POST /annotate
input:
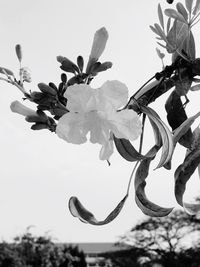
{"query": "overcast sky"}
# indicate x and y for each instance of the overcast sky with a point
(39, 172)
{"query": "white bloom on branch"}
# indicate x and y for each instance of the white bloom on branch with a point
(21, 109)
(96, 111)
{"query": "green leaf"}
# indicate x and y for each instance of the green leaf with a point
(184, 127)
(160, 31)
(6, 71)
(195, 87)
(149, 208)
(79, 211)
(47, 89)
(160, 16)
(174, 15)
(154, 30)
(181, 9)
(196, 8)
(166, 136)
(188, 4)
(168, 24)
(187, 168)
(127, 150)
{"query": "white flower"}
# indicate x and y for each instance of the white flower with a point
(19, 108)
(95, 111)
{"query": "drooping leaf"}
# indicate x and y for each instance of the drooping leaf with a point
(149, 208)
(166, 136)
(127, 150)
(187, 168)
(184, 127)
(79, 211)
(176, 116)
(160, 16)
(181, 9)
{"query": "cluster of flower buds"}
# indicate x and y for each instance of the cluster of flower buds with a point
(94, 66)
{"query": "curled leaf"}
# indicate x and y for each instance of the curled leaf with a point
(149, 208)
(79, 211)
(127, 150)
(166, 136)
(187, 168)
(184, 127)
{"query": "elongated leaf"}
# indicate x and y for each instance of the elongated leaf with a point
(160, 16)
(188, 4)
(79, 211)
(187, 168)
(160, 31)
(181, 9)
(176, 115)
(6, 71)
(168, 24)
(149, 208)
(184, 127)
(127, 150)
(154, 30)
(196, 8)
(166, 136)
(174, 14)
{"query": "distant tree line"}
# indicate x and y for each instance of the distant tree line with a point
(171, 241)
(31, 251)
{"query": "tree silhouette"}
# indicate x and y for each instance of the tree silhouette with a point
(168, 239)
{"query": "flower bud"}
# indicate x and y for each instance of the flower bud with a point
(19, 108)
(18, 50)
(99, 43)
(25, 74)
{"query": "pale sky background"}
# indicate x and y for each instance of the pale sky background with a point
(39, 172)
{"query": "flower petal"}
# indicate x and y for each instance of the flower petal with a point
(112, 93)
(125, 124)
(106, 150)
(80, 98)
(72, 128)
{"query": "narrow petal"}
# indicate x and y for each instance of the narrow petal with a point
(112, 93)
(80, 98)
(106, 150)
(125, 124)
(72, 128)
